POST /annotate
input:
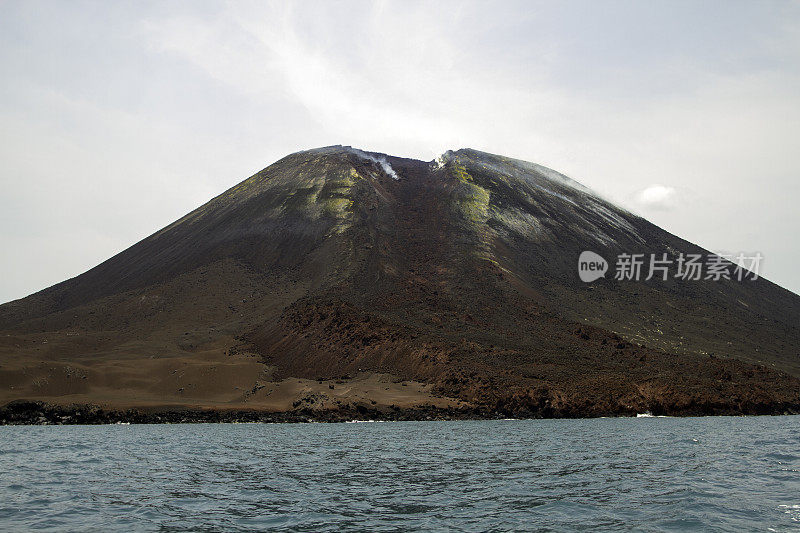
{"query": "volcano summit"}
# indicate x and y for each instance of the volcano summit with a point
(337, 284)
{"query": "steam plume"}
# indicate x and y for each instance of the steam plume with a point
(384, 164)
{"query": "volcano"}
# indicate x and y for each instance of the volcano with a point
(338, 282)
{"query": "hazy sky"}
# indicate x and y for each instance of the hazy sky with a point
(116, 118)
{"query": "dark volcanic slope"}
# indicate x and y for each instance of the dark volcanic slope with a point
(462, 273)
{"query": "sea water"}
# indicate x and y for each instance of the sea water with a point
(651, 474)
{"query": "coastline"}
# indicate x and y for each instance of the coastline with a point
(22, 412)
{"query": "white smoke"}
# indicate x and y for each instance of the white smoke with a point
(384, 164)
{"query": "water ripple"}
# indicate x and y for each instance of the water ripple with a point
(724, 474)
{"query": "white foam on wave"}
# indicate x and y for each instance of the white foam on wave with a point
(793, 510)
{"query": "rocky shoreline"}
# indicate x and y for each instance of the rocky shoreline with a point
(23, 412)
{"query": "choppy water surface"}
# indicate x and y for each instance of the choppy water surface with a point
(729, 474)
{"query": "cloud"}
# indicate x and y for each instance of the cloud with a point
(657, 197)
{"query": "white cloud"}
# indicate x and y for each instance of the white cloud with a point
(656, 197)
